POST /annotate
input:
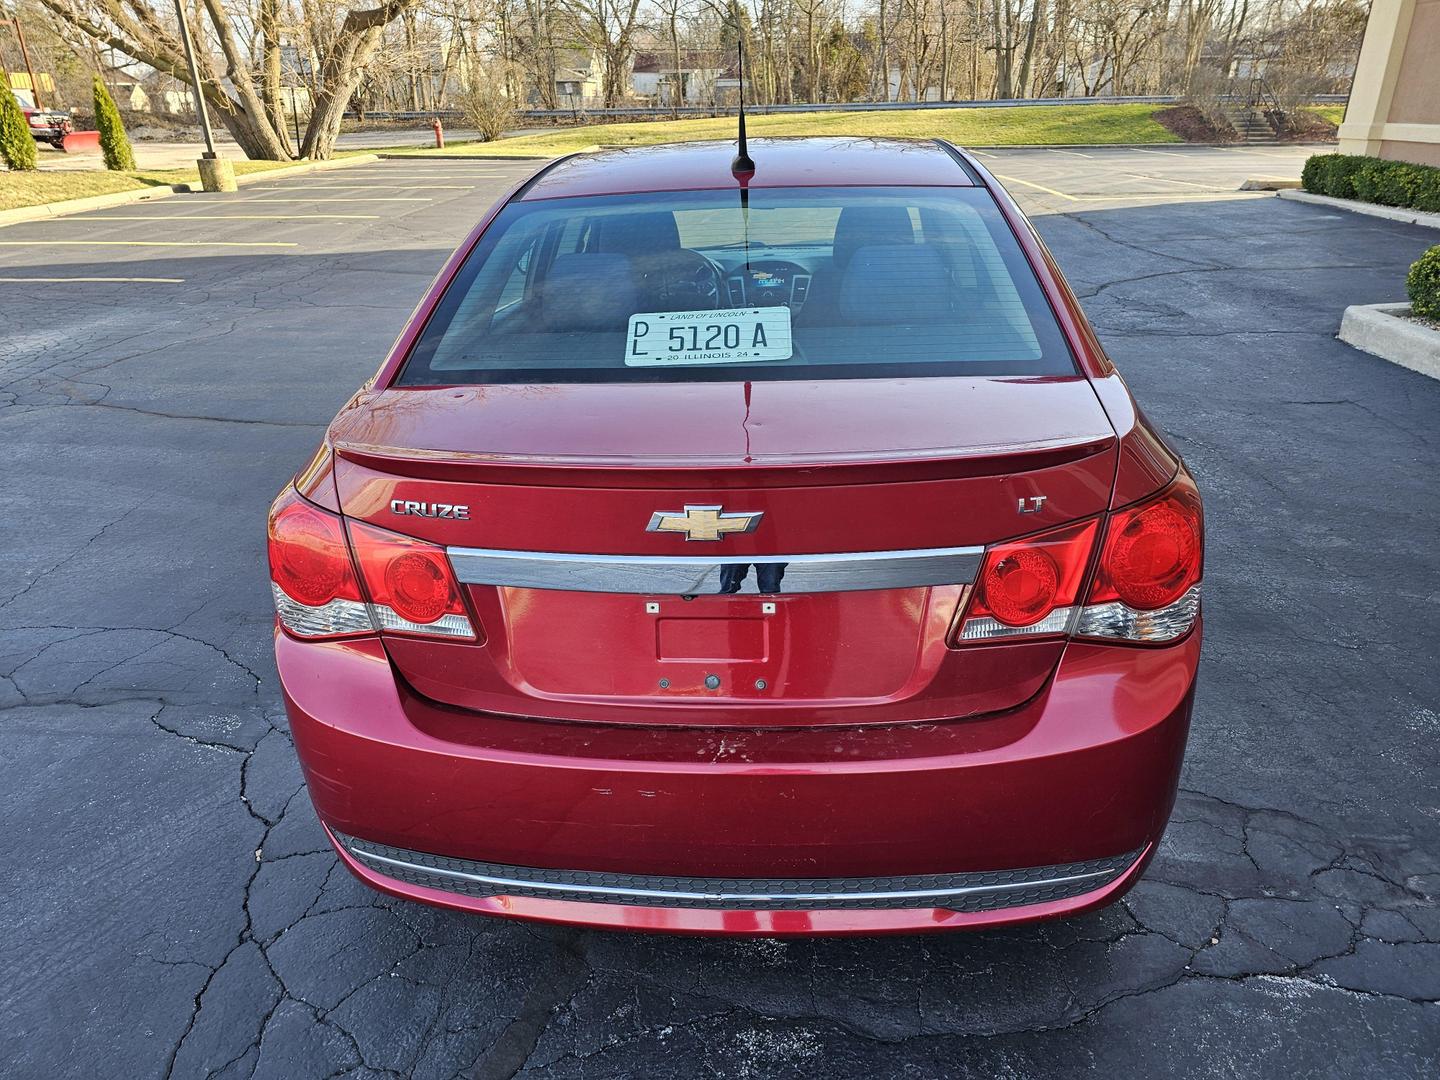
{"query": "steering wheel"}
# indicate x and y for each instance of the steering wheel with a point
(681, 280)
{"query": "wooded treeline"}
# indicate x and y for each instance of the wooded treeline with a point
(419, 55)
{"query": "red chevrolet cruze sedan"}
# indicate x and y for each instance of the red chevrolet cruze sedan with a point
(758, 553)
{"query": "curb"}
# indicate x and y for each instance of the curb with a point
(91, 202)
(1390, 213)
(1265, 183)
(422, 155)
(1381, 330)
(161, 191)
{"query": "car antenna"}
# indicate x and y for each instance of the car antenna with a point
(744, 165)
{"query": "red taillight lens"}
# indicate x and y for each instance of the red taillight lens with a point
(308, 556)
(411, 586)
(1020, 588)
(1153, 552)
(317, 593)
(1027, 587)
(1147, 584)
(418, 584)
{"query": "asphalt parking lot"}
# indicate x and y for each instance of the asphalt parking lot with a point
(171, 906)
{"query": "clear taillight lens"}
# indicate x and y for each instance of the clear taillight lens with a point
(317, 593)
(1029, 587)
(411, 586)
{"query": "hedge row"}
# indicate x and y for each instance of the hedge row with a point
(1375, 180)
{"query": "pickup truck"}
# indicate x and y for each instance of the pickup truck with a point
(49, 126)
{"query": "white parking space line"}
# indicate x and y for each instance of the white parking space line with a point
(1162, 153)
(1173, 180)
(149, 243)
(1075, 153)
(68, 280)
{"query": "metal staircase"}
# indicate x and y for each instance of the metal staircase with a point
(1248, 115)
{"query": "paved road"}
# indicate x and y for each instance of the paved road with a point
(170, 905)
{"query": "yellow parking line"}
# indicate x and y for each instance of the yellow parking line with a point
(1037, 187)
(396, 187)
(217, 217)
(342, 198)
(1170, 196)
(148, 243)
(64, 280)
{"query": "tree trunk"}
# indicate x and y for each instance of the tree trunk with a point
(677, 87)
(884, 56)
(270, 144)
(1037, 17)
(340, 75)
(270, 75)
(944, 52)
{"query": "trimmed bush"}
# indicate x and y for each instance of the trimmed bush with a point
(1427, 191)
(1423, 285)
(17, 145)
(1315, 176)
(113, 142)
(1372, 179)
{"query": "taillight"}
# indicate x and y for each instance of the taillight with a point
(411, 586)
(1029, 587)
(317, 593)
(1147, 586)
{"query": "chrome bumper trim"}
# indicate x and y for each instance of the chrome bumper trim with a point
(972, 891)
(684, 575)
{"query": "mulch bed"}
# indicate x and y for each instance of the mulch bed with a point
(1301, 125)
(1194, 126)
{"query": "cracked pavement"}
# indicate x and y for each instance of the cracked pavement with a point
(172, 907)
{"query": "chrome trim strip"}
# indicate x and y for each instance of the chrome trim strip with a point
(898, 897)
(695, 575)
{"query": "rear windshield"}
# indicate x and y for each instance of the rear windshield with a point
(797, 283)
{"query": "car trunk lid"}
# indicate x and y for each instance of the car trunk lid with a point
(860, 478)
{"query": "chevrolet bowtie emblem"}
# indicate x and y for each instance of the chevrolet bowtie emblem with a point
(703, 522)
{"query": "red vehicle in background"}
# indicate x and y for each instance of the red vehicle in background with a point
(768, 552)
(49, 125)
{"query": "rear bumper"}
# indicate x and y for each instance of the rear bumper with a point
(734, 831)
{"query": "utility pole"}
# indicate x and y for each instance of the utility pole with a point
(216, 173)
(25, 55)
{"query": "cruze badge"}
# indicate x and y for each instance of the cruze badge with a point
(703, 522)
(430, 510)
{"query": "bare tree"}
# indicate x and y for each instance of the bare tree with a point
(608, 28)
(344, 45)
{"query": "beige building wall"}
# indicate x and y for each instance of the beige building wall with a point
(1394, 109)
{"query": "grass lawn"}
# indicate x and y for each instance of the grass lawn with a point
(33, 188)
(1333, 113)
(1034, 125)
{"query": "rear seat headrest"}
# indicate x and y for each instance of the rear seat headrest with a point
(588, 292)
(895, 283)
